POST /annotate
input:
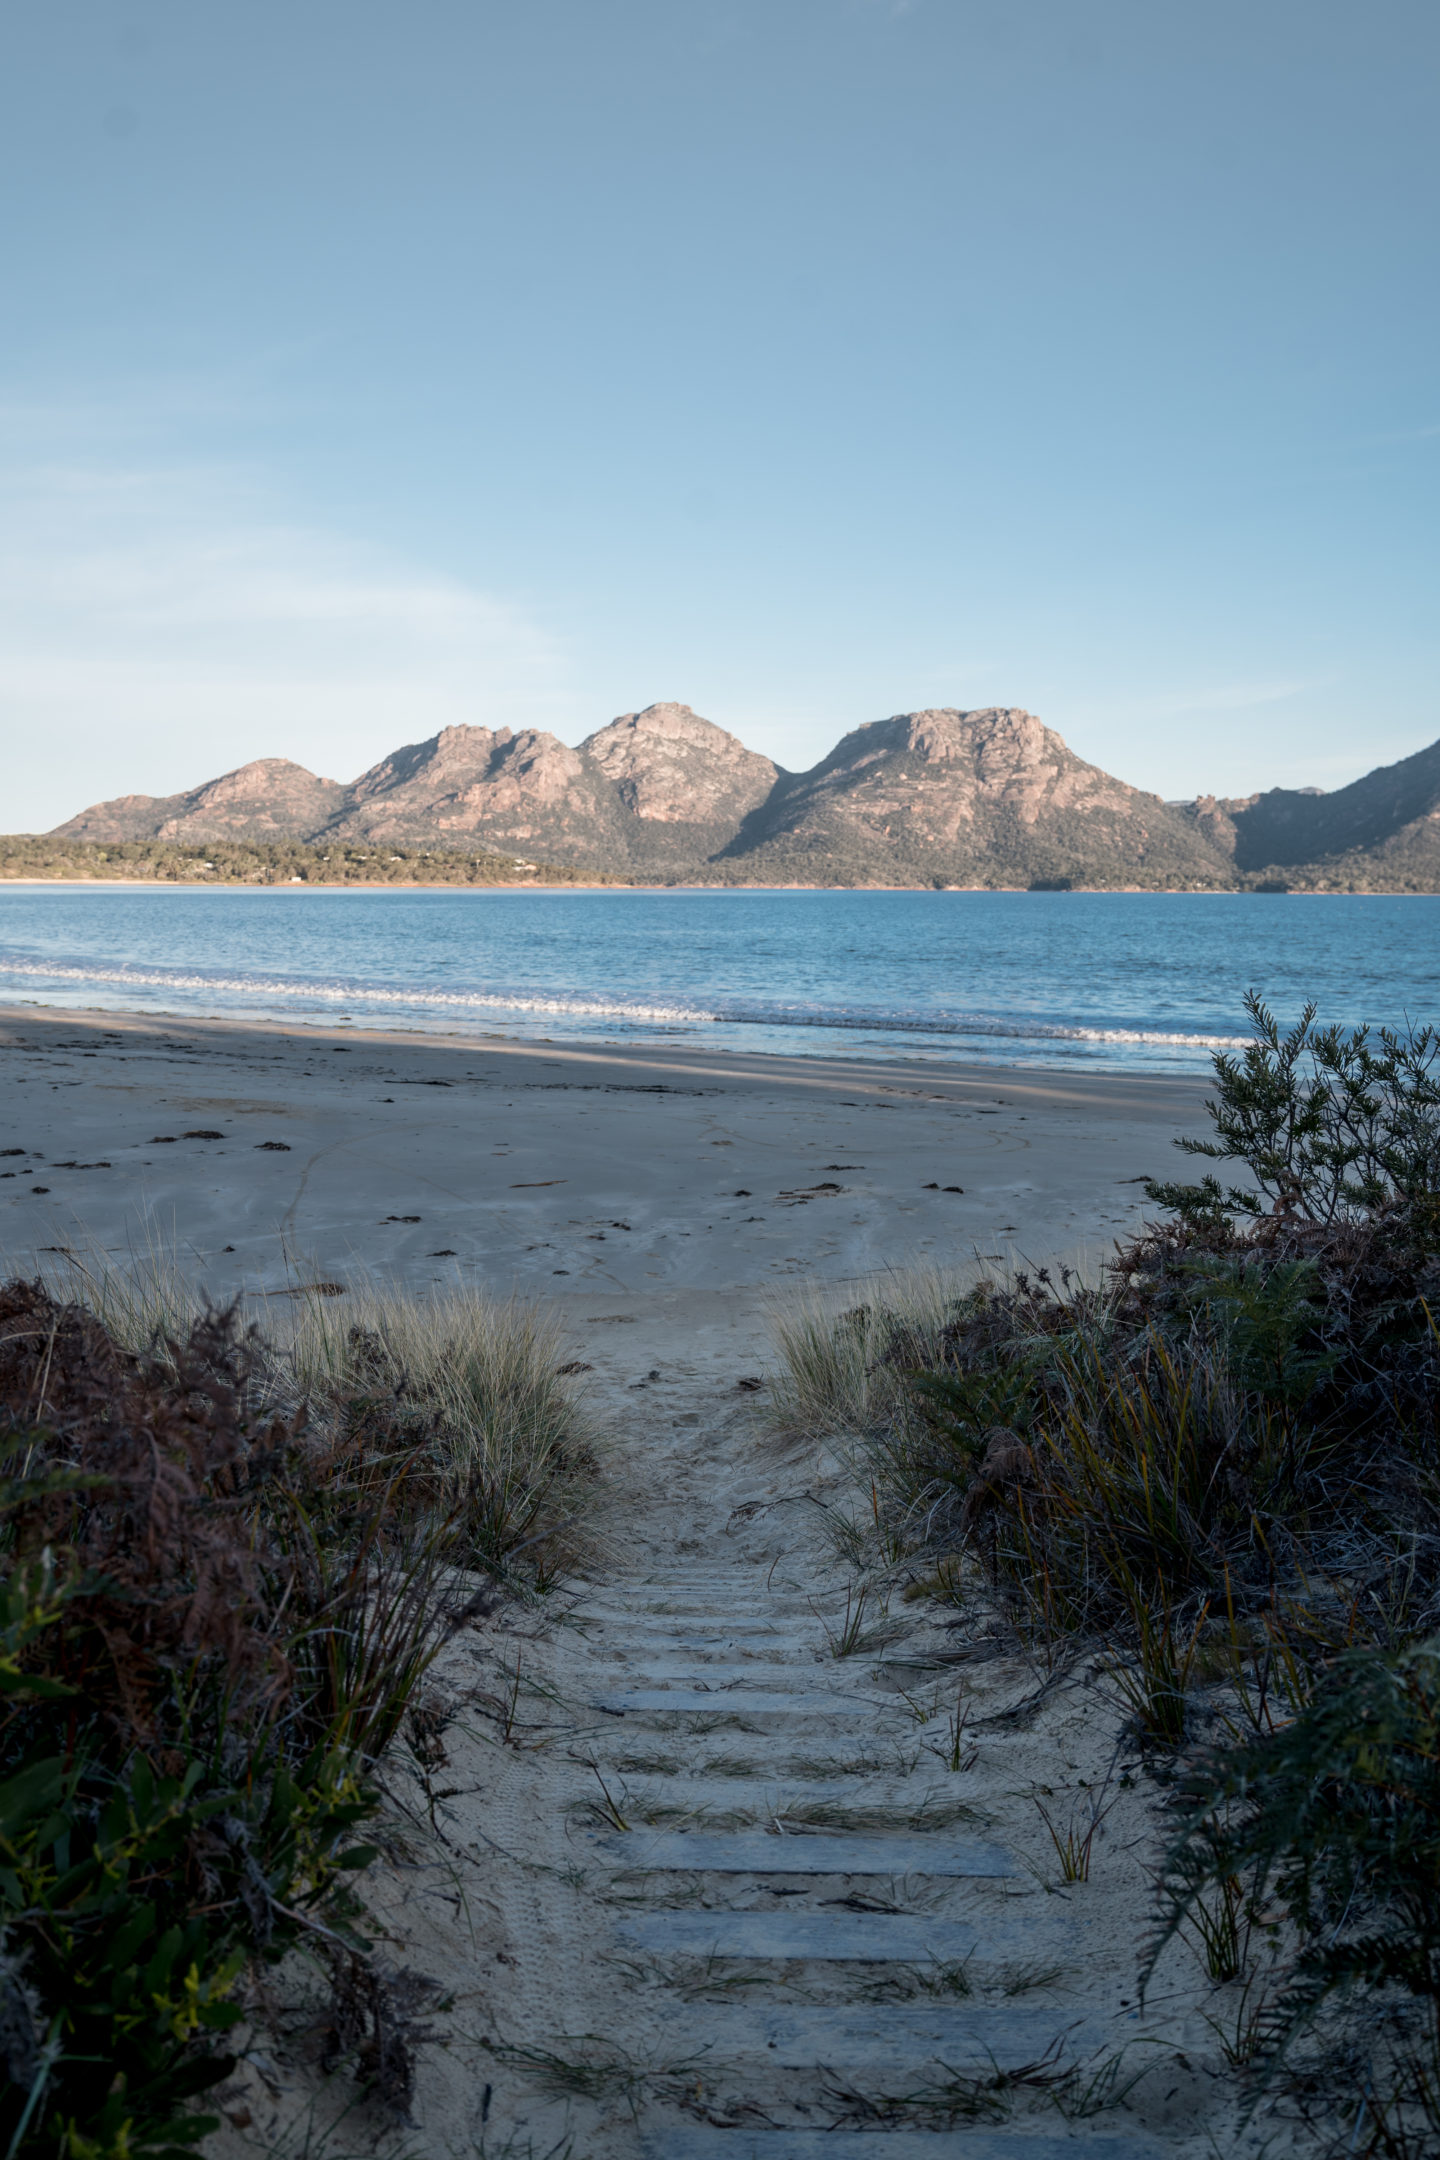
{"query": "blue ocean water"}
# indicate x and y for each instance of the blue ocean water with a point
(1127, 980)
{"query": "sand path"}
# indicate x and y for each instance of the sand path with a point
(730, 1893)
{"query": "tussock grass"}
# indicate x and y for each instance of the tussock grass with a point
(143, 1303)
(836, 1379)
(471, 1383)
(460, 1389)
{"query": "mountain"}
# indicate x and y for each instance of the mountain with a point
(967, 798)
(940, 797)
(687, 785)
(1381, 832)
(656, 792)
(483, 787)
(269, 800)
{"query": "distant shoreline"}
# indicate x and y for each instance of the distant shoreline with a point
(1076, 892)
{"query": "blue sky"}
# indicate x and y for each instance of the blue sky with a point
(369, 366)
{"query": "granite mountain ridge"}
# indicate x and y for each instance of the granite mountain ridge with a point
(987, 797)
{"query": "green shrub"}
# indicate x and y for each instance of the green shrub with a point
(129, 1905)
(1334, 1818)
(205, 1642)
(1219, 1467)
(1329, 1126)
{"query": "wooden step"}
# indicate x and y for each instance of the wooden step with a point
(972, 2143)
(761, 1852)
(871, 1938)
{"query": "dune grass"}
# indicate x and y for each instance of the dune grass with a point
(505, 1448)
(844, 1358)
(460, 1388)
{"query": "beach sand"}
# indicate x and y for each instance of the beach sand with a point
(662, 1200)
(651, 1177)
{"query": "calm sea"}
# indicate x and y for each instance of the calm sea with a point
(1124, 980)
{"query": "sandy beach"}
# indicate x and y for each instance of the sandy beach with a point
(647, 1177)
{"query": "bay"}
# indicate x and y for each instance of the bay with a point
(1135, 981)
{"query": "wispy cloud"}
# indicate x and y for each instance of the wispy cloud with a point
(1223, 697)
(160, 624)
(1401, 435)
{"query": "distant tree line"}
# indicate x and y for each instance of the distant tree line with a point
(280, 862)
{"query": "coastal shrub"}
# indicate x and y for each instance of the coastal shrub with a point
(280, 862)
(1218, 1467)
(1334, 1818)
(214, 1612)
(1245, 1404)
(1330, 1125)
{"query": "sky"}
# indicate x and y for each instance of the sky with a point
(372, 365)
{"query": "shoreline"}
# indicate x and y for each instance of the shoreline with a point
(1076, 892)
(1046, 1082)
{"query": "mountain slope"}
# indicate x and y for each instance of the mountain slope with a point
(1290, 826)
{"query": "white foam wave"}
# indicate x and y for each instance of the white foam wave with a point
(338, 993)
(554, 1006)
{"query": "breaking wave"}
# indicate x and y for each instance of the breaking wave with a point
(407, 1000)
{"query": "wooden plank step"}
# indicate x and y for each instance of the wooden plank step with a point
(972, 2143)
(739, 1701)
(723, 1624)
(872, 1938)
(901, 2037)
(762, 1852)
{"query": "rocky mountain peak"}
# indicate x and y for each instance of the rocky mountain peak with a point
(995, 739)
(673, 767)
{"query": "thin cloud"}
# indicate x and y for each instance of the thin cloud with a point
(1400, 435)
(159, 626)
(1224, 697)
